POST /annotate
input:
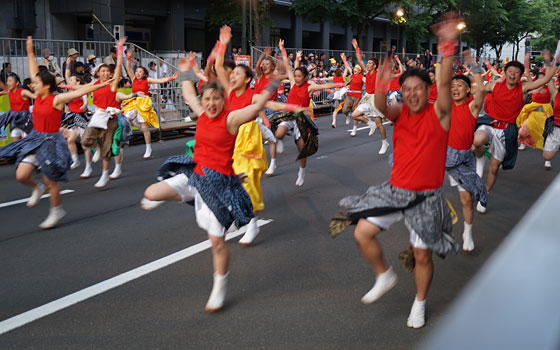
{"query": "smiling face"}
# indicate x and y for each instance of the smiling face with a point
(238, 79)
(139, 73)
(356, 70)
(267, 67)
(513, 75)
(104, 74)
(40, 88)
(212, 102)
(415, 93)
(12, 83)
(299, 77)
(432, 77)
(459, 91)
(370, 66)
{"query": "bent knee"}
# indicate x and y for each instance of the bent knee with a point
(422, 257)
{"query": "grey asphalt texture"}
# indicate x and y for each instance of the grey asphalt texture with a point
(294, 288)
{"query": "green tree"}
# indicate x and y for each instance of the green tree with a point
(354, 13)
(549, 26)
(421, 14)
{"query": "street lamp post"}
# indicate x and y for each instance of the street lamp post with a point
(399, 14)
(461, 26)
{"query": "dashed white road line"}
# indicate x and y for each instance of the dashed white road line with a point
(7, 204)
(101, 287)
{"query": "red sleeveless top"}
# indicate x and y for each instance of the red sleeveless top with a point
(338, 79)
(45, 117)
(463, 123)
(557, 109)
(395, 84)
(261, 84)
(419, 150)
(140, 85)
(213, 148)
(542, 97)
(504, 104)
(370, 82)
(356, 85)
(76, 104)
(235, 102)
(299, 95)
(104, 97)
(17, 103)
(433, 92)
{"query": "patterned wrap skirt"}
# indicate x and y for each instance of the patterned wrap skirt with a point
(51, 150)
(224, 195)
(17, 120)
(460, 164)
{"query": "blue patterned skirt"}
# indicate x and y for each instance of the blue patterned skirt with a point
(224, 195)
(51, 150)
(17, 120)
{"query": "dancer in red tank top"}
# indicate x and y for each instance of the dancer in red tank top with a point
(209, 178)
(552, 129)
(140, 109)
(103, 124)
(44, 149)
(460, 164)
(339, 93)
(366, 106)
(354, 94)
(18, 117)
(415, 188)
(503, 104)
(300, 96)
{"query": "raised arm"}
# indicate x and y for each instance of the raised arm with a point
(225, 37)
(286, 62)
(189, 94)
(129, 70)
(118, 68)
(447, 34)
(346, 65)
(27, 94)
(550, 70)
(61, 99)
(33, 69)
(476, 104)
(267, 51)
(67, 72)
(553, 90)
(241, 116)
(359, 55)
(299, 55)
(382, 84)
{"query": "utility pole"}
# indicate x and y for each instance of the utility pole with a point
(244, 27)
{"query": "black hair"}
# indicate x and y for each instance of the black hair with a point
(79, 64)
(26, 84)
(515, 64)
(112, 68)
(464, 78)
(151, 64)
(248, 72)
(431, 70)
(534, 71)
(48, 79)
(212, 85)
(123, 82)
(113, 50)
(415, 72)
(5, 65)
(43, 68)
(229, 64)
(146, 73)
(303, 71)
(13, 75)
(338, 72)
(375, 61)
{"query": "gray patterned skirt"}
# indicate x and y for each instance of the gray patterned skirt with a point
(17, 120)
(460, 164)
(425, 212)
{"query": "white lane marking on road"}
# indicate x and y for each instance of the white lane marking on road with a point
(101, 287)
(322, 157)
(7, 204)
(367, 127)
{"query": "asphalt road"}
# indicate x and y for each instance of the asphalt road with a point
(295, 288)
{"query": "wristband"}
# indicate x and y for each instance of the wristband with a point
(171, 79)
(183, 76)
(297, 58)
(120, 50)
(211, 60)
(447, 48)
(192, 62)
(290, 107)
(128, 58)
(273, 86)
(357, 51)
(283, 51)
(221, 49)
(339, 85)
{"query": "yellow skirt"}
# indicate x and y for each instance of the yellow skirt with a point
(249, 157)
(534, 116)
(144, 107)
